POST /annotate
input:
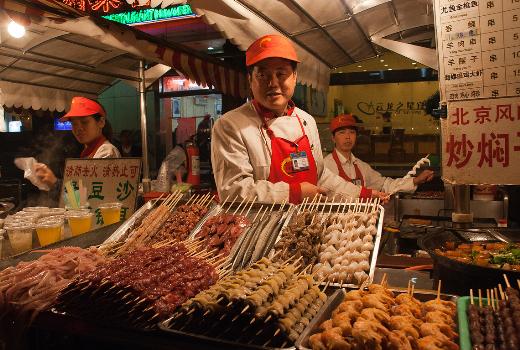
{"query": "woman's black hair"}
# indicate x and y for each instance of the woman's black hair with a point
(107, 129)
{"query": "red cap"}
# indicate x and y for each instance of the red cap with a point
(83, 107)
(271, 45)
(341, 121)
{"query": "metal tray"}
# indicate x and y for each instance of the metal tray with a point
(214, 342)
(121, 233)
(335, 299)
(377, 239)
(242, 242)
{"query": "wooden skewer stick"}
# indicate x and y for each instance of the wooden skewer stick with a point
(493, 299)
(413, 289)
(496, 296)
(439, 290)
(238, 207)
(479, 298)
(284, 202)
(518, 282)
(488, 296)
(471, 296)
(193, 197)
(502, 295)
(383, 279)
(249, 209)
(208, 202)
(409, 287)
(231, 204)
(507, 281)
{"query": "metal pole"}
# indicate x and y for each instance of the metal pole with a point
(144, 139)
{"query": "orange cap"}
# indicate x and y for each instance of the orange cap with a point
(271, 45)
(341, 121)
(83, 107)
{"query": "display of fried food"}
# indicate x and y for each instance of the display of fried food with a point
(380, 320)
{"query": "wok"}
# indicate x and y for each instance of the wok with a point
(458, 277)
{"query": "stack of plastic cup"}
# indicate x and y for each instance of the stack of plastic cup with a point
(20, 235)
(49, 230)
(80, 221)
(111, 212)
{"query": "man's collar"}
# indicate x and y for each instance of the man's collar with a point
(344, 160)
(267, 114)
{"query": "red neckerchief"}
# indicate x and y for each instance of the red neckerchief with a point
(342, 172)
(267, 114)
(91, 148)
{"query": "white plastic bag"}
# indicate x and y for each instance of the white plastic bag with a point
(27, 165)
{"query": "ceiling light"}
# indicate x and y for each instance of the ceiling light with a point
(16, 30)
(386, 65)
(381, 60)
(389, 68)
(364, 70)
(360, 66)
(210, 48)
(414, 63)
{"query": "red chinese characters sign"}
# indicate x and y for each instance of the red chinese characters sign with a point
(106, 180)
(481, 142)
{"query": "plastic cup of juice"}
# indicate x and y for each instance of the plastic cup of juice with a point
(49, 231)
(79, 222)
(20, 236)
(111, 212)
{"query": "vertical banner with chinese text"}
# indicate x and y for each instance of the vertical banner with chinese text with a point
(481, 142)
(107, 180)
(478, 43)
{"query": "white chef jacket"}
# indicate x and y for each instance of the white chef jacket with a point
(241, 156)
(372, 178)
(107, 150)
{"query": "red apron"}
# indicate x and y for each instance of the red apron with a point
(359, 176)
(91, 149)
(281, 165)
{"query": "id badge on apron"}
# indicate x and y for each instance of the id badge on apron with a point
(299, 160)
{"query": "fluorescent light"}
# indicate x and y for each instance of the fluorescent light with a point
(381, 60)
(364, 70)
(386, 65)
(360, 66)
(211, 48)
(16, 30)
(389, 68)
(414, 63)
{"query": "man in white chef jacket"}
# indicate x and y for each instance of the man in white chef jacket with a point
(268, 148)
(343, 163)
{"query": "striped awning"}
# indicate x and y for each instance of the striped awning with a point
(60, 45)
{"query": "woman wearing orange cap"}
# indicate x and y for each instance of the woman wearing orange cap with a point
(342, 162)
(91, 128)
(268, 148)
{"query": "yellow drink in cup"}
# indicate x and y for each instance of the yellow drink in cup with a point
(20, 236)
(79, 222)
(49, 231)
(111, 213)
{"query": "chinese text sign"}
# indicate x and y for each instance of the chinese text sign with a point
(478, 44)
(106, 180)
(481, 142)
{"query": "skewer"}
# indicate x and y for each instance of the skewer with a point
(190, 199)
(488, 296)
(284, 202)
(507, 281)
(383, 279)
(496, 296)
(493, 299)
(258, 212)
(518, 282)
(230, 205)
(267, 318)
(479, 298)
(471, 296)
(244, 309)
(252, 202)
(502, 295)
(272, 206)
(439, 290)
(413, 289)
(208, 202)
(236, 210)
(408, 288)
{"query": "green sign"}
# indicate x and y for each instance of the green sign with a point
(150, 15)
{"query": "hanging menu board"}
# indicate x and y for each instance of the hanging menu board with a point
(478, 43)
(106, 180)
